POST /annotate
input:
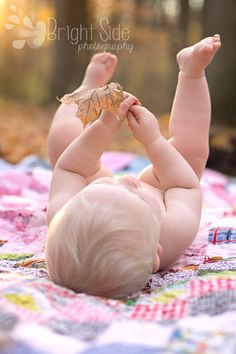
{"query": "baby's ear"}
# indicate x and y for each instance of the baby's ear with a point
(159, 249)
(156, 264)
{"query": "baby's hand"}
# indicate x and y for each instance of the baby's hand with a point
(115, 121)
(143, 124)
(128, 102)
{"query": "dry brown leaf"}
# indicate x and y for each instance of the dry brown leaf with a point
(91, 102)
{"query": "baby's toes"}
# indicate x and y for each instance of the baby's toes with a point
(99, 57)
(205, 51)
(110, 59)
(216, 38)
(216, 46)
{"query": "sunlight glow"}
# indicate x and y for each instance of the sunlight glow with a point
(196, 4)
(171, 8)
(2, 14)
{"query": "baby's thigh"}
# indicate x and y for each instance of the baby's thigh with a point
(195, 153)
(60, 136)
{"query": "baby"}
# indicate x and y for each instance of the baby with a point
(106, 235)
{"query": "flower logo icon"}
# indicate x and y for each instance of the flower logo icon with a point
(29, 31)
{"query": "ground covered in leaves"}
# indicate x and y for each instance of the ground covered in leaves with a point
(24, 129)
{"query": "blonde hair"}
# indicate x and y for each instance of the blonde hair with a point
(98, 250)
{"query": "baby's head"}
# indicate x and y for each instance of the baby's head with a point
(104, 241)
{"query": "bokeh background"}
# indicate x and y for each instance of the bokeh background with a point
(45, 46)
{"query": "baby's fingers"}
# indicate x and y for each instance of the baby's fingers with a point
(135, 126)
(138, 111)
(127, 94)
(125, 106)
(131, 119)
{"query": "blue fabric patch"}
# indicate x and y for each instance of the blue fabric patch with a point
(222, 235)
(18, 347)
(136, 165)
(122, 349)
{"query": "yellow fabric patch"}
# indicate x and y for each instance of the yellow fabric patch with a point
(167, 296)
(24, 300)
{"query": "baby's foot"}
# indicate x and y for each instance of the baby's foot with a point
(99, 70)
(193, 60)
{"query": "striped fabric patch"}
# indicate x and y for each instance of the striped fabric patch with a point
(222, 235)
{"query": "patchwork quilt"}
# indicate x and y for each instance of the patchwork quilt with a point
(188, 308)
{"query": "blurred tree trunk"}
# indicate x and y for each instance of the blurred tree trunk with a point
(137, 9)
(68, 65)
(183, 22)
(178, 40)
(219, 17)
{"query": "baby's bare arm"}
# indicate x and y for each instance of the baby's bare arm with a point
(82, 156)
(180, 223)
(169, 166)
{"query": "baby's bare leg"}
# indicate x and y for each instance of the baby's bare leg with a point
(66, 126)
(191, 111)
